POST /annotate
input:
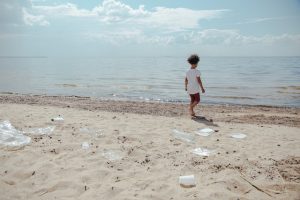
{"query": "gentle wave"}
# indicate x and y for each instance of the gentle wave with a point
(230, 97)
(67, 85)
(292, 87)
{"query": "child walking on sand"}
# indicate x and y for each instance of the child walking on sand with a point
(193, 83)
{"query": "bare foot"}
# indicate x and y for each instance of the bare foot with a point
(191, 111)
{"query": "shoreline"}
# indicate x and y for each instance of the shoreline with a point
(146, 100)
(252, 114)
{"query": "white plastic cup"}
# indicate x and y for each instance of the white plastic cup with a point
(187, 181)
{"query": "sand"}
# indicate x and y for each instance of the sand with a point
(149, 159)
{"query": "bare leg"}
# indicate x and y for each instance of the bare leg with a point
(191, 109)
(192, 105)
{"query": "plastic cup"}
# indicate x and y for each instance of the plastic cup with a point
(187, 181)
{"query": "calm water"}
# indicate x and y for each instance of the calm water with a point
(236, 80)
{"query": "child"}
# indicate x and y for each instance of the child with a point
(192, 83)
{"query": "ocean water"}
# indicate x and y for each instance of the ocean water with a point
(227, 80)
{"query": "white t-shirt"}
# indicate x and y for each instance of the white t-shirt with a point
(193, 86)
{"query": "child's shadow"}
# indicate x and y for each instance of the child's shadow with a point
(204, 120)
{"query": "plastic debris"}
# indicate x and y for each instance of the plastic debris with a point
(205, 132)
(202, 151)
(187, 181)
(93, 132)
(40, 131)
(111, 155)
(183, 136)
(85, 145)
(58, 119)
(238, 135)
(9, 136)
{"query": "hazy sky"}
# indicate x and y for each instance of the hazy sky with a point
(149, 27)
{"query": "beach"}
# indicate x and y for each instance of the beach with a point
(106, 149)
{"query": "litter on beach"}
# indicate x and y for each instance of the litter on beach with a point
(9, 136)
(204, 132)
(183, 136)
(85, 145)
(58, 119)
(238, 135)
(202, 151)
(92, 132)
(112, 155)
(40, 131)
(187, 181)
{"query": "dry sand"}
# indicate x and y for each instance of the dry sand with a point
(264, 165)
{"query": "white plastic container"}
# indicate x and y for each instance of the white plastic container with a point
(187, 181)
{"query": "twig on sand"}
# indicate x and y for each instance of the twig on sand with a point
(215, 182)
(256, 187)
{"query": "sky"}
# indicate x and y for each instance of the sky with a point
(149, 27)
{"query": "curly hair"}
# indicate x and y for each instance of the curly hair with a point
(193, 59)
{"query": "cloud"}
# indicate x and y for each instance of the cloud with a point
(34, 19)
(233, 37)
(180, 18)
(130, 37)
(11, 11)
(115, 11)
(112, 12)
(263, 19)
(62, 10)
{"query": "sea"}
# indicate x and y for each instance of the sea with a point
(273, 81)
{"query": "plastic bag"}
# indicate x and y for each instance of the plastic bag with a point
(183, 136)
(238, 135)
(111, 155)
(202, 152)
(205, 132)
(40, 131)
(9, 136)
(97, 133)
(85, 145)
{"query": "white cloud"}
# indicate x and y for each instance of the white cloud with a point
(263, 19)
(113, 11)
(130, 37)
(180, 18)
(233, 37)
(34, 19)
(62, 10)
(11, 12)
